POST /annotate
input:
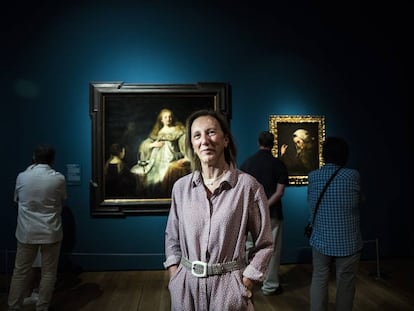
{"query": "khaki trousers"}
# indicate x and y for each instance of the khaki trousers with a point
(25, 256)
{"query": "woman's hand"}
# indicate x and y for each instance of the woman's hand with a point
(156, 144)
(248, 283)
(249, 286)
(172, 270)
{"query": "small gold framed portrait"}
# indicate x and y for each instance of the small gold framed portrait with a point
(298, 143)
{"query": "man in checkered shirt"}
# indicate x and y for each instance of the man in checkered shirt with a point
(336, 236)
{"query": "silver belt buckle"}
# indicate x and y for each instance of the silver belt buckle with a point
(193, 269)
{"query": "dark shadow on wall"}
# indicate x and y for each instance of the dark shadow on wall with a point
(68, 272)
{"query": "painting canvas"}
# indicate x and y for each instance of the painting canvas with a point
(138, 134)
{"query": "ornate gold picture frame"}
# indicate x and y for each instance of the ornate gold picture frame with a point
(298, 143)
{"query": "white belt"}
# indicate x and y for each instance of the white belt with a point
(201, 269)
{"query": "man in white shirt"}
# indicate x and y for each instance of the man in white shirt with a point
(39, 192)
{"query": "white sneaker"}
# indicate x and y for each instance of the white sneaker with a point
(32, 299)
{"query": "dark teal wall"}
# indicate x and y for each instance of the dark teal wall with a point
(348, 64)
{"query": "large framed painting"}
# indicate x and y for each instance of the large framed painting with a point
(298, 143)
(138, 134)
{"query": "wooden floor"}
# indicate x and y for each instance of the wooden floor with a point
(147, 290)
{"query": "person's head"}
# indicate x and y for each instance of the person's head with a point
(165, 118)
(44, 154)
(300, 138)
(266, 139)
(208, 137)
(335, 150)
(117, 150)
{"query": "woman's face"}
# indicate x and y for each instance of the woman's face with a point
(208, 139)
(166, 118)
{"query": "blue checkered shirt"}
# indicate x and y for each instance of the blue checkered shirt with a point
(336, 230)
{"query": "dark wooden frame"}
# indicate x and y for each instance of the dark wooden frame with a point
(282, 126)
(112, 103)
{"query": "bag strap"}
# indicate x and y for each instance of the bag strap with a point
(323, 192)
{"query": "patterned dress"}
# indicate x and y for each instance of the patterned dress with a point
(214, 230)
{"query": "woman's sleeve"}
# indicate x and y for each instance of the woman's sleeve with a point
(260, 230)
(144, 149)
(172, 240)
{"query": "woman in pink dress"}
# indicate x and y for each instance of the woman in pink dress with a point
(213, 208)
